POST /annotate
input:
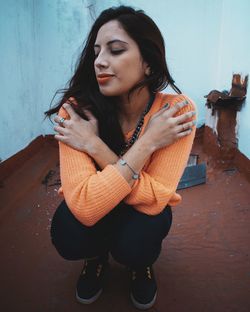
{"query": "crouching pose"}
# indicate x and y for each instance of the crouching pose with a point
(123, 148)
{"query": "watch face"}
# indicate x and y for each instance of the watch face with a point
(122, 162)
(135, 176)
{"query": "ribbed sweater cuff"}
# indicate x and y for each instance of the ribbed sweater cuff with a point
(113, 178)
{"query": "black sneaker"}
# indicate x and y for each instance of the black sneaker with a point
(143, 288)
(90, 283)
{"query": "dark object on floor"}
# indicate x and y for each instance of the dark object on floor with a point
(193, 175)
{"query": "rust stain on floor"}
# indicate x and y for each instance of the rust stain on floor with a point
(204, 265)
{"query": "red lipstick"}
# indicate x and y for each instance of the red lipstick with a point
(104, 78)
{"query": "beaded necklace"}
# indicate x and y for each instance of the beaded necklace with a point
(138, 128)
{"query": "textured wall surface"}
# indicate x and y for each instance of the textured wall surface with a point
(40, 41)
(206, 42)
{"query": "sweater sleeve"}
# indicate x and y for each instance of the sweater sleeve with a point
(89, 194)
(159, 180)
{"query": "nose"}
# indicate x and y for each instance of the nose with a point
(101, 61)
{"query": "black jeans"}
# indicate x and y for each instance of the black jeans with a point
(134, 239)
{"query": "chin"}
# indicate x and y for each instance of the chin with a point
(108, 92)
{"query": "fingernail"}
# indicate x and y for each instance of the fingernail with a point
(184, 103)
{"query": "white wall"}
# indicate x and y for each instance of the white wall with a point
(206, 41)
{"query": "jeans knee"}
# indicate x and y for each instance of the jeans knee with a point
(138, 241)
(73, 240)
(134, 254)
(74, 249)
(61, 243)
(65, 251)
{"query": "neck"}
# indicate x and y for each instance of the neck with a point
(132, 108)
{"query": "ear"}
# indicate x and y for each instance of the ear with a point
(146, 68)
(147, 71)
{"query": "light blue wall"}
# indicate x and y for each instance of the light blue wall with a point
(206, 41)
(234, 56)
(18, 47)
(190, 30)
(39, 44)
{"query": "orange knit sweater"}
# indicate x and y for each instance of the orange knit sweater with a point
(91, 194)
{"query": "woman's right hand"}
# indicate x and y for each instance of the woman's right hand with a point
(77, 132)
(164, 128)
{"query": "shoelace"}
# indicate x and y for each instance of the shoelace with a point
(93, 267)
(142, 273)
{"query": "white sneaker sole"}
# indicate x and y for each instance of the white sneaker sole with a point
(142, 306)
(90, 300)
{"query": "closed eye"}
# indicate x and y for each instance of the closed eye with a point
(116, 52)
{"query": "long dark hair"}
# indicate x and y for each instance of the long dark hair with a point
(84, 87)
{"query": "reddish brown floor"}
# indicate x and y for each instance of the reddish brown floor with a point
(204, 265)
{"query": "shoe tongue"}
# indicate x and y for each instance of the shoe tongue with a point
(142, 272)
(140, 269)
(91, 265)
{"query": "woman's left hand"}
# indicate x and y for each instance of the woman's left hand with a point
(76, 132)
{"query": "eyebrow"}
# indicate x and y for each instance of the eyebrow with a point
(110, 42)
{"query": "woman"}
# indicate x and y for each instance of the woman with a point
(123, 148)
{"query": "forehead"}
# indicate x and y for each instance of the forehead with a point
(110, 31)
